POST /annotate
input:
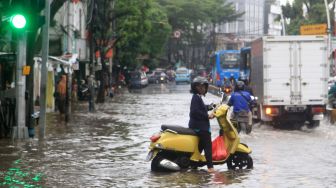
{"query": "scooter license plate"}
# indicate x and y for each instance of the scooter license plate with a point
(149, 156)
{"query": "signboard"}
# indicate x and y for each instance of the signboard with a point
(316, 29)
(177, 34)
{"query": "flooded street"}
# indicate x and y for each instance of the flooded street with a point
(108, 149)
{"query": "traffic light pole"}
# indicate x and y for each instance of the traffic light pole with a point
(21, 131)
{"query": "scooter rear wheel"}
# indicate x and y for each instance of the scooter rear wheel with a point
(240, 161)
(155, 165)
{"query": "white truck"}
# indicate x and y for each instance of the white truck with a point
(289, 75)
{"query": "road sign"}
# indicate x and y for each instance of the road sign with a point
(177, 34)
(316, 29)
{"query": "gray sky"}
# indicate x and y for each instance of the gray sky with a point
(283, 2)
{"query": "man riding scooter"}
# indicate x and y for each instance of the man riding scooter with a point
(240, 100)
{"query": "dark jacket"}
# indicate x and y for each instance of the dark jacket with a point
(199, 119)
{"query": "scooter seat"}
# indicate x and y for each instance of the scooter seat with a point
(178, 129)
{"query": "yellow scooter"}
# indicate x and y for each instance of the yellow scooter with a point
(176, 147)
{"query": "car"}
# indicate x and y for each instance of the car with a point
(182, 75)
(158, 77)
(138, 79)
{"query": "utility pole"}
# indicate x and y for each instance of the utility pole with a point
(329, 26)
(329, 34)
(18, 21)
(45, 52)
(21, 130)
(91, 27)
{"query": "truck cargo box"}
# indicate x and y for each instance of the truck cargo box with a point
(290, 70)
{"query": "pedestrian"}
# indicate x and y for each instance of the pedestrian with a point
(74, 90)
(121, 79)
(199, 118)
(91, 88)
(61, 90)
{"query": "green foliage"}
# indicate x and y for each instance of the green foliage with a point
(304, 12)
(4, 28)
(143, 31)
(193, 19)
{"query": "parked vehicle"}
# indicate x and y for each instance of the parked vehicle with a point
(289, 75)
(182, 75)
(138, 79)
(83, 91)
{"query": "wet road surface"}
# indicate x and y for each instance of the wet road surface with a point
(108, 148)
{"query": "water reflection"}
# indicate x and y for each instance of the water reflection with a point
(195, 178)
(20, 174)
(108, 148)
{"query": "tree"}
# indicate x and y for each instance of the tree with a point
(304, 12)
(194, 19)
(134, 27)
(143, 32)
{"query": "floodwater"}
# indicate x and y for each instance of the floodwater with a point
(108, 149)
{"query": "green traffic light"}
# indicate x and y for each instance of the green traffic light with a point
(18, 21)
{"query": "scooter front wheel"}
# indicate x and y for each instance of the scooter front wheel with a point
(240, 161)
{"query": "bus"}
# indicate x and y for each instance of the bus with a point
(245, 63)
(225, 64)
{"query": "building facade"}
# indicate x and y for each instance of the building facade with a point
(273, 18)
(251, 24)
(259, 19)
(70, 29)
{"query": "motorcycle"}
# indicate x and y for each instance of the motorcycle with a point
(243, 119)
(176, 148)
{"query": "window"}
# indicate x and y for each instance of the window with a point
(230, 60)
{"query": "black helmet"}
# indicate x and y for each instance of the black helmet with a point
(199, 81)
(240, 85)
